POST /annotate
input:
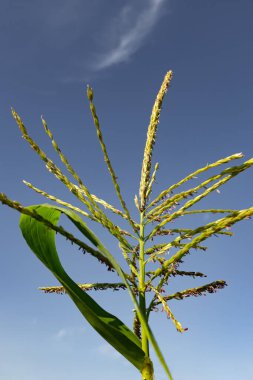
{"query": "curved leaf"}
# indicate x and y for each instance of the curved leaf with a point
(79, 223)
(41, 240)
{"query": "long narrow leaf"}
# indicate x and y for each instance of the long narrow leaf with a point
(94, 239)
(41, 240)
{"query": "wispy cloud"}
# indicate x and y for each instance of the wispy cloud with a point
(128, 32)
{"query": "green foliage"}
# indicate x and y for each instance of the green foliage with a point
(148, 271)
(41, 240)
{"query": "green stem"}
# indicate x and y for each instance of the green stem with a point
(148, 370)
(142, 300)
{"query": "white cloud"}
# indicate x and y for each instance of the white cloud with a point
(128, 33)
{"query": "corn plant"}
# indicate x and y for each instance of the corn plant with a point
(149, 265)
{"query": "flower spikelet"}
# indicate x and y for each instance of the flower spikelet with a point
(151, 136)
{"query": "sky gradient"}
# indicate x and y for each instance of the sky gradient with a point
(50, 51)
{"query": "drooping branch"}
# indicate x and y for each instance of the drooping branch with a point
(211, 288)
(187, 273)
(168, 311)
(33, 214)
(85, 287)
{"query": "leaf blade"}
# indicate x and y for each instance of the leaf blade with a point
(42, 242)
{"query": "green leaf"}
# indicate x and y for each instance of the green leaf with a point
(94, 239)
(41, 240)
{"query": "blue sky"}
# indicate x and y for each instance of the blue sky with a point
(49, 52)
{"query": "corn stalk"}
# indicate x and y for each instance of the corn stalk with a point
(147, 287)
